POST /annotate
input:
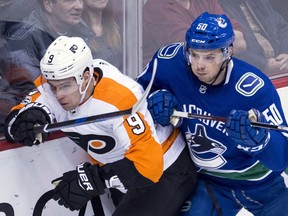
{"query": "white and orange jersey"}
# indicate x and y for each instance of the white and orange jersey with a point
(133, 137)
(172, 143)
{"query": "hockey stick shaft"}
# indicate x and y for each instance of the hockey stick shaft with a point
(46, 197)
(97, 118)
(80, 121)
(223, 119)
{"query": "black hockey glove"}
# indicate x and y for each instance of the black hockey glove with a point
(110, 178)
(161, 105)
(249, 139)
(77, 187)
(21, 127)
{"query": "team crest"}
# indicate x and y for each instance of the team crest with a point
(169, 51)
(73, 48)
(249, 84)
(203, 89)
(205, 151)
(221, 22)
(98, 144)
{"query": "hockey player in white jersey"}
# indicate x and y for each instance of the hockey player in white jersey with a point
(126, 153)
(238, 165)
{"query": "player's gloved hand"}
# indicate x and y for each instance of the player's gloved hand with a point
(161, 105)
(79, 186)
(249, 139)
(21, 127)
(111, 179)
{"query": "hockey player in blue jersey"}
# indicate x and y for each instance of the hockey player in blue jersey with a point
(238, 165)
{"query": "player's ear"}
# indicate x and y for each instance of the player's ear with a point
(230, 51)
(86, 77)
(86, 74)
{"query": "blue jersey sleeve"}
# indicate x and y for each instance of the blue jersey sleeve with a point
(257, 91)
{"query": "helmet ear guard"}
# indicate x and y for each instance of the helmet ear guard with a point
(67, 57)
(227, 52)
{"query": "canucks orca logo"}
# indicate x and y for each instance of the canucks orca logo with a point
(98, 144)
(205, 151)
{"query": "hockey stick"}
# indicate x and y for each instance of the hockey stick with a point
(46, 197)
(223, 119)
(97, 118)
(42, 201)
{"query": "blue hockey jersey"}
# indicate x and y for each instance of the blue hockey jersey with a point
(214, 153)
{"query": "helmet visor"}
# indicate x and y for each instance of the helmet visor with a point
(205, 57)
(66, 87)
(63, 87)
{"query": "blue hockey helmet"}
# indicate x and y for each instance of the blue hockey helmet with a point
(210, 32)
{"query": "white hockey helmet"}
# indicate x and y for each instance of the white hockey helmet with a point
(67, 57)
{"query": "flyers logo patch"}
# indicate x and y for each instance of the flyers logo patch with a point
(249, 84)
(98, 144)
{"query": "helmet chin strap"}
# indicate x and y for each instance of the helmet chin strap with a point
(222, 68)
(83, 93)
(224, 63)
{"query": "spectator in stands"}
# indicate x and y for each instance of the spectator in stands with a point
(14, 80)
(14, 85)
(29, 41)
(106, 44)
(265, 32)
(166, 21)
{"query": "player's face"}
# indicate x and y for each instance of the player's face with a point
(206, 64)
(66, 92)
(67, 11)
(96, 4)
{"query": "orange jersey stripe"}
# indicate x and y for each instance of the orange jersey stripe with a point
(112, 92)
(32, 96)
(170, 140)
(28, 99)
(145, 152)
(38, 81)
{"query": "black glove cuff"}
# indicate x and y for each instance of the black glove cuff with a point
(7, 124)
(126, 172)
(92, 179)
